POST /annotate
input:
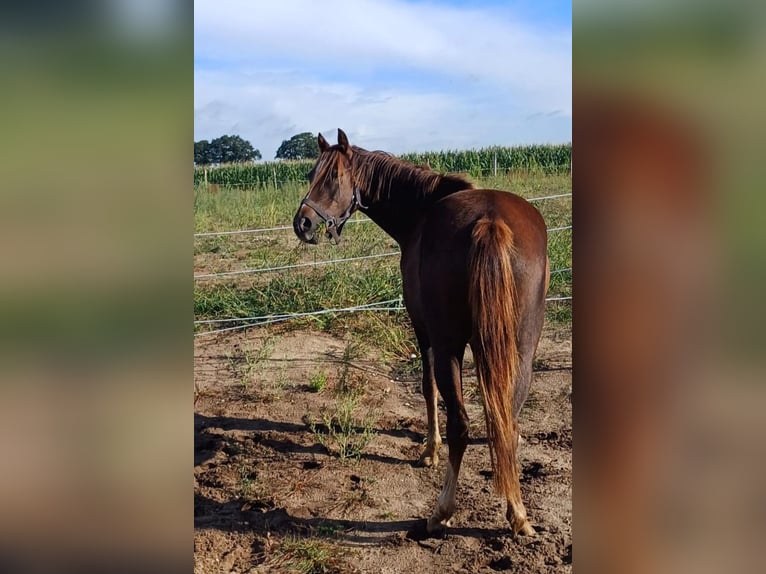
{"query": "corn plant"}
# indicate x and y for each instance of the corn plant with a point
(477, 162)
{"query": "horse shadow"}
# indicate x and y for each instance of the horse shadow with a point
(264, 517)
(206, 444)
(242, 514)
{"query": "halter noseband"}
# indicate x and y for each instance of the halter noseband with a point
(330, 222)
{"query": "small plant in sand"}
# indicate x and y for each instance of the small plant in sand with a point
(248, 363)
(248, 489)
(341, 431)
(318, 381)
(308, 556)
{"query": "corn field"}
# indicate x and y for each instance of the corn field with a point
(533, 158)
(543, 158)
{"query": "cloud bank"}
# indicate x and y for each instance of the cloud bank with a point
(394, 75)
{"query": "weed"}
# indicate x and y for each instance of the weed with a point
(248, 365)
(308, 556)
(247, 483)
(342, 432)
(281, 381)
(318, 381)
(262, 353)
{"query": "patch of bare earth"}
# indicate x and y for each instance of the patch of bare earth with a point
(270, 498)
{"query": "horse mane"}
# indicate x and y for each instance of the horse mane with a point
(381, 174)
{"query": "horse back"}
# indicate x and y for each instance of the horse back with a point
(446, 232)
(435, 266)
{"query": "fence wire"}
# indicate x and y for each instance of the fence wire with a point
(271, 319)
(359, 220)
(391, 305)
(317, 263)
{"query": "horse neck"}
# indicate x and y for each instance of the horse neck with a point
(400, 211)
(399, 222)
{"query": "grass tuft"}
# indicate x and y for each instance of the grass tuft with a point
(342, 431)
(307, 556)
(318, 381)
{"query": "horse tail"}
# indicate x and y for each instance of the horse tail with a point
(492, 297)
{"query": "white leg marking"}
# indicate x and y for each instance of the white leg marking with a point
(446, 501)
(445, 504)
(430, 455)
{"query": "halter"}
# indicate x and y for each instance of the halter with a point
(331, 223)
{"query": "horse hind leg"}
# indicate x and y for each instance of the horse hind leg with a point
(529, 336)
(447, 370)
(516, 513)
(430, 455)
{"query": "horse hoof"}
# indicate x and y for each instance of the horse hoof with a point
(428, 460)
(524, 529)
(437, 525)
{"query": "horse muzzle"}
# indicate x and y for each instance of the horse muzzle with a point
(305, 228)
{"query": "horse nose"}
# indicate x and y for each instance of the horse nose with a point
(305, 224)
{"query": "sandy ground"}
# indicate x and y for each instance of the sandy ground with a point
(269, 497)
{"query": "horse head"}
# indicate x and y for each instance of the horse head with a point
(332, 197)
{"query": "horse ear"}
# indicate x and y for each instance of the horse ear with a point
(323, 145)
(343, 142)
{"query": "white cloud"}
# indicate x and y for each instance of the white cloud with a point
(273, 60)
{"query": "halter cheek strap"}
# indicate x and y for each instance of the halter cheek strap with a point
(331, 222)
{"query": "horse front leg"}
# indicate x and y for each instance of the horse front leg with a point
(430, 456)
(448, 378)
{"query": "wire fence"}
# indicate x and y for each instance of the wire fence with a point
(271, 319)
(391, 305)
(293, 266)
(265, 177)
(359, 220)
(317, 263)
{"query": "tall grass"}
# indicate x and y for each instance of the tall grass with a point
(335, 285)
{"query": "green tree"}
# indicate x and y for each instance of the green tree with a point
(224, 149)
(202, 152)
(300, 146)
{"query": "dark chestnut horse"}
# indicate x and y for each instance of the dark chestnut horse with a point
(475, 271)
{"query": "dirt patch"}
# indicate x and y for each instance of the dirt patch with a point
(269, 497)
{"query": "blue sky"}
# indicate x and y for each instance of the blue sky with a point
(396, 75)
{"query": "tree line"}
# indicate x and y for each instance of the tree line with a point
(234, 149)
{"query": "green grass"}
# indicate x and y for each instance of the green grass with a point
(318, 381)
(247, 208)
(336, 285)
(307, 556)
